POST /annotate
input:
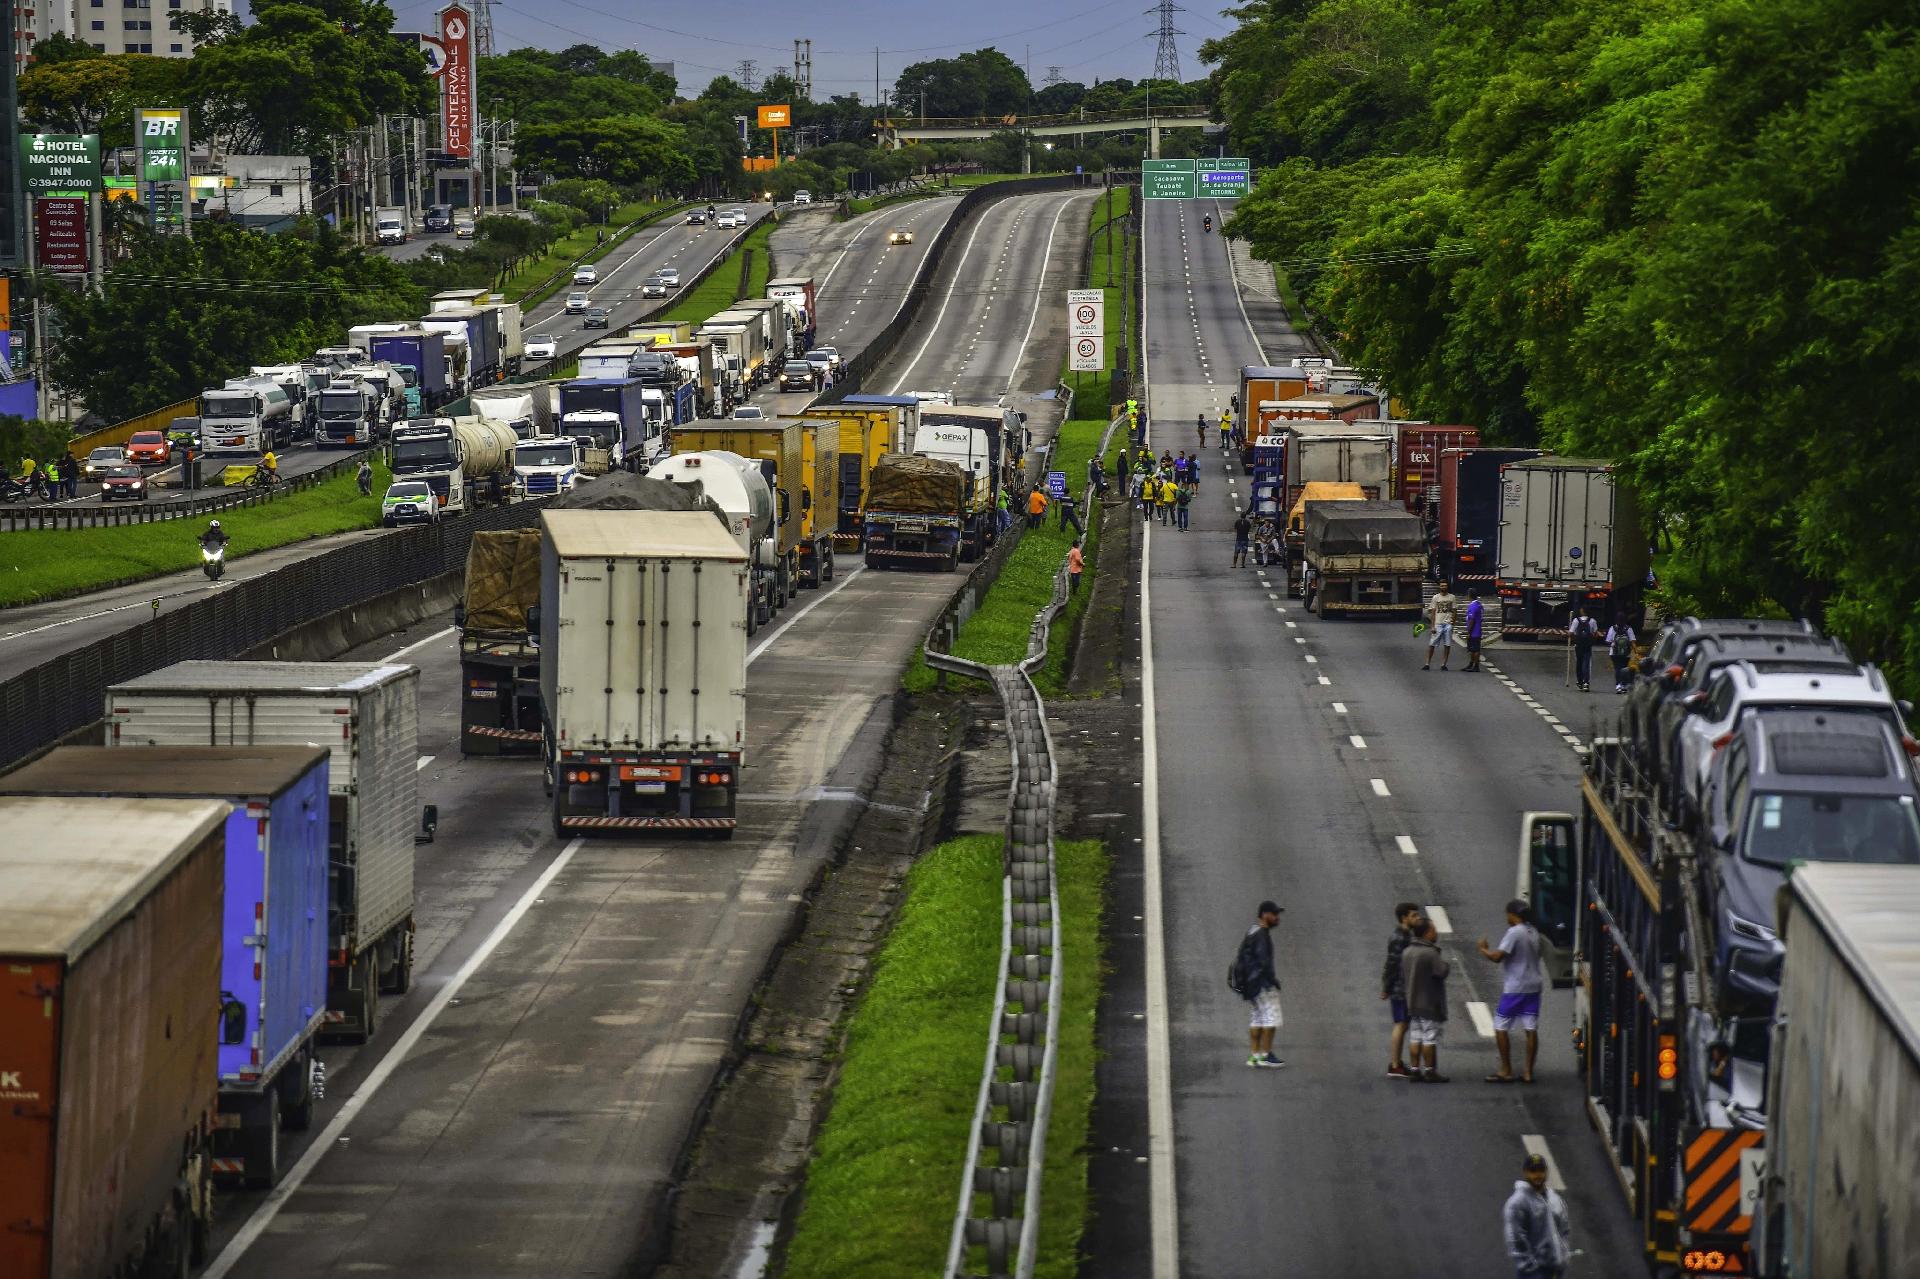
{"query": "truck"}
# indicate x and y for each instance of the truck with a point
(779, 323)
(866, 435)
(390, 388)
(1570, 534)
(361, 336)
(1261, 384)
(1466, 520)
(661, 596)
(273, 966)
(499, 663)
(1417, 447)
(904, 410)
(110, 1018)
(742, 334)
(657, 332)
(548, 464)
(526, 407)
(746, 496)
(797, 292)
(1839, 1194)
(611, 358)
(349, 413)
(776, 445)
(819, 500)
(610, 412)
(700, 367)
(510, 345)
(1366, 557)
(1330, 450)
(366, 715)
(420, 356)
(915, 512)
(459, 299)
(970, 437)
(300, 382)
(457, 457)
(247, 416)
(476, 331)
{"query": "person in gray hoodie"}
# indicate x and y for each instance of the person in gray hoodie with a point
(1538, 1233)
(1425, 975)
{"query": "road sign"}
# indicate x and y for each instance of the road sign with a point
(1089, 354)
(1169, 179)
(1226, 179)
(777, 116)
(62, 232)
(458, 105)
(1086, 313)
(60, 163)
(1056, 484)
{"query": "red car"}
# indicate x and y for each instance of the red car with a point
(124, 483)
(149, 448)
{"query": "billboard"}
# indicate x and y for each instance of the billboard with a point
(62, 237)
(776, 117)
(160, 133)
(457, 97)
(59, 163)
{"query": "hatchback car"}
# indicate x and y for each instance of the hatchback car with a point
(670, 276)
(653, 287)
(123, 483)
(1797, 786)
(102, 460)
(409, 502)
(149, 448)
(577, 302)
(586, 273)
(541, 348)
(463, 228)
(596, 318)
(899, 235)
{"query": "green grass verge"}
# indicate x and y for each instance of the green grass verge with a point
(717, 292)
(44, 563)
(882, 1187)
(575, 245)
(961, 182)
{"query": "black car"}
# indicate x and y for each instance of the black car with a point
(1797, 786)
(596, 318)
(1663, 667)
(439, 217)
(799, 375)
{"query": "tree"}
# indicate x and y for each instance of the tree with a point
(627, 150)
(61, 47)
(984, 82)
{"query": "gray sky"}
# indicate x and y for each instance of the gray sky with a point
(1086, 39)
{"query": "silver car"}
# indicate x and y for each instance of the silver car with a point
(577, 302)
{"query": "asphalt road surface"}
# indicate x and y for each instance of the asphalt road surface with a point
(521, 1110)
(1316, 763)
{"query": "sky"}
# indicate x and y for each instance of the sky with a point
(1086, 39)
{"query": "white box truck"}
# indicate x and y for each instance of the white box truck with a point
(643, 670)
(1570, 537)
(366, 715)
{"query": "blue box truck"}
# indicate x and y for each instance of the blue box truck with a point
(425, 352)
(273, 966)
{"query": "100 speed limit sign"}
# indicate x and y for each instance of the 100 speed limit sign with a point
(1086, 313)
(1089, 355)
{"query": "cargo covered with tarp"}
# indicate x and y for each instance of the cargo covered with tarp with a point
(503, 579)
(907, 484)
(1377, 536)
(619, 491)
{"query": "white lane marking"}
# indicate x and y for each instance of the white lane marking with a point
(1482, 1018)
(396, 655)
(1405, 844)
(1312, 658)
(1379, 785)
(822, 598)
(1537, 1145)
(1039, 293)
(422, 762)
(329, 1136)
(1339, 708)
(1359, 742)
(1293, 626)
(1323, 678)
(1438, 914)
(933, 329)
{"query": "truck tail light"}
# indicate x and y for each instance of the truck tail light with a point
(1722, 741)
(1667, 1062)
(1676, 671)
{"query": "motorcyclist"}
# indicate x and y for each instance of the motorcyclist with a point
(214, 538)
(1206, 223)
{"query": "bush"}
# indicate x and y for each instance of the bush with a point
(22, 437)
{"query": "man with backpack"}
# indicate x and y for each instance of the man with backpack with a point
(1583, 631)
(1252, 978)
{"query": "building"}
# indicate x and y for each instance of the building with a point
(111, 26)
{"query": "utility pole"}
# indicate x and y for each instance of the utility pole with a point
(803, 67)
(482, 28)
(877, 99)
(1166, 58)
(746, 67)
(1054, 77)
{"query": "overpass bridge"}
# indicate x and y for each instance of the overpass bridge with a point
(900, 132)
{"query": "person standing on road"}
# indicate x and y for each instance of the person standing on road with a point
(1242, 532)
(1620, 640)
(1097, 476)
(1163, 499)
(1523, 976)
(1199, 432)
(1424, 973)
(1440, 613)
(1003, 511)
(1583, 631)
(1076, 564)
(1539, 1235)
(1036, 506)
(1393, 985)
(70, 474)
(1122, 469)
(1257, 983)
(1476, 622)
(1182, 496)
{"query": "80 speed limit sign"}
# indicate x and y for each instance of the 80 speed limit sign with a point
(1089, 354)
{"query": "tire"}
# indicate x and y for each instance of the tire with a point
(369, 998)
(297, 1115)
(827, 563)
(953, 561)
(753, 617)
(263, 1145)
(399, 978)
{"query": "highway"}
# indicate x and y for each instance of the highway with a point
(1316, 763)
(521, 1111)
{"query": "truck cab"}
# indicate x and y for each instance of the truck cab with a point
(547, 465)
(346, 414)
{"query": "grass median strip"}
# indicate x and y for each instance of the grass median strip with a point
(40, 564)
(581, 242)
(716, 292)
(883, 1184)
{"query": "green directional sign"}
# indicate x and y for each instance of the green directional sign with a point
(1168, 179)
(1228, 178)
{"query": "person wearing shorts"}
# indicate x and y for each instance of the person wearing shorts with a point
(1260, 986)
(1523, 978)
(1440, 613)
(1424, 972)
(1393, 986)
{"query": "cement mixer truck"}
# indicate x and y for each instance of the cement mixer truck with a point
(740, 487)
(455, 456)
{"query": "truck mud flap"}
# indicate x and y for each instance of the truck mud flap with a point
(480, 739)
(586, 822)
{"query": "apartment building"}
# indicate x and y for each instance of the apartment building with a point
(111, 26)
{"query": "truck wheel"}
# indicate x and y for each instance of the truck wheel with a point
(558, 830)
(398, 978)
(753, 618)
(296, 1114)
(263, 1144)
(953, 561)
(369, 997)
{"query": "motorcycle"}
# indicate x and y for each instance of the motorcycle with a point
(213, 560)
(12, 490)
(1206, 223)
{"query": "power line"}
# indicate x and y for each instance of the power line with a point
(746, 69)
(1166, 59)
(1054, 76)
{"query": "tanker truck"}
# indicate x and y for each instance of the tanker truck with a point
(740, 487)
(453, 455)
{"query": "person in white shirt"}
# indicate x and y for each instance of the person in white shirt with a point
(1523, 976)
(1440, 612)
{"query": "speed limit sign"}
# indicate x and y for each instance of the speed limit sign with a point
(1089, 354)
(1086, 313)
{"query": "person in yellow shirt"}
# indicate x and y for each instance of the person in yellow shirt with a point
(1163, 498)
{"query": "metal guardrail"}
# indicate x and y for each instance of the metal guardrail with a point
(14, 519)
(1043, 121)
(1011, 1114)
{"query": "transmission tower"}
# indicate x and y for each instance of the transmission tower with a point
(482, 28)
(803, 67)
(1166, 59)
(746, 68)
(1054, 76)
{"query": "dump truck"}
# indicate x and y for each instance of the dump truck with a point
(748, 500)
(366, 714)
(457, 457)
(1366, 557)
(110, 1026)
(499, 663)
(1570, 534)
(1465, 522)
(867, 433)
(1293, 526)
(777, 444)
(819, 500)
(273, 968)
(916, 512)
(661, 596)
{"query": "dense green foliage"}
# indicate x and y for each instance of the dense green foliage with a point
(1680, 235)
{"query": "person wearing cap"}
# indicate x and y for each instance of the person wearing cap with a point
(1538, 1234)
(1523, 977)
(1424, 970)
(1261, 988)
